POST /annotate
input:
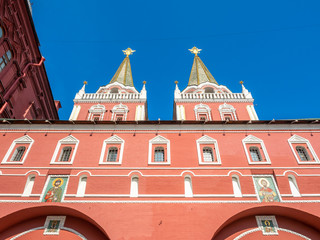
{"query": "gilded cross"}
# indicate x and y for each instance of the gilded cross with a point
(195, 50)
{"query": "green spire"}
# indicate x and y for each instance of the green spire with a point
(199, 72)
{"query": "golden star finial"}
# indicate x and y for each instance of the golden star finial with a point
(195, 50)
(85, 82)
(128, 51)
(241, 82)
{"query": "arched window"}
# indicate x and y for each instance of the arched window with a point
(82, 186)
(1, 32)
(5, 59)
(293, 186)
(18, 153)
(208, 154)
(159, 154)
(112, 154)
(236, 186)
(303, 154)
(65, 154)
(188, 187)
(134, 189)
(29, 185)
(255, 154)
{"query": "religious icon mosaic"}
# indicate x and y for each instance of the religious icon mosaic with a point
(55, 189)
(266, 189)
(267, 224)
(53, 225)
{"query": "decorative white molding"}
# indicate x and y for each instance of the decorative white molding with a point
(119, 109)
(97, 109)
(29, 186)
(188, 192)
(254, 140)
(125, 89)
(236, 186)
(70, 140)
(22, 140)
(75, 112)
(202, 109)
(111, 140)
(252, 112)
(297, 139)
(208, 140)
(159, 140)
(180, 112)
(53, 218)
(227, 109)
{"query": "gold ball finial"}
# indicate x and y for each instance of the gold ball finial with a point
(195, 50)
(128, 51)
(176, 82)
(85, 82)
(241, 82)
(144, 82)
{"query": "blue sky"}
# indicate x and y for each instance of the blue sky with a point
(273, 46)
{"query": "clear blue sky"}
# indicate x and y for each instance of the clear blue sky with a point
(273, 46)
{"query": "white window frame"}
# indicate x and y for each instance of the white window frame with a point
(81, 191)
(254, 140)
(29, 186)
(97, 109)
(202, 109)
(54, 218)
(188, 190)
(104, 152)
(227, 109)
(22, 140)
(159, 140)
(70, 140)
(297, 139)
(294, 186)
(210, 141)
(134, 186)
(119, 109)
(236, 186)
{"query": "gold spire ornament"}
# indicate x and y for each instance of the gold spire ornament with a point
(195, 50)
(128, 51)
(85, 82)
(241, 82)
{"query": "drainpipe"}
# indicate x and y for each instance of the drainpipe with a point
(17, 80)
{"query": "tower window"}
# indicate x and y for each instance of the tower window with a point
(112, 154)
(303, 154)
(255, 154)
(18, 153)
(1, 32)
(208, 154)
(5, 59)
(159, 154)
(65, 154)
(114, 90)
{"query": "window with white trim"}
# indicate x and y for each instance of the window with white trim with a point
(159, 151)
(65, 151)
(18, 150)
(303, 150)
(255, 150)
(227, 112)
(202, 112)
(96, 113)
(29, 186)
(134, 188)
(236, 186)
(82, 186)
(208, 151)
(112, 150)
(188, 186)
(294, 186)
(119, 112)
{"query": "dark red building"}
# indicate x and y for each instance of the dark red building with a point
(24, 87)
